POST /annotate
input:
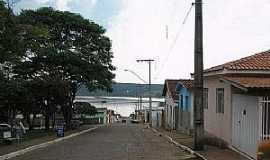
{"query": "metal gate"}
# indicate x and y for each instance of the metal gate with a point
(264, 118)
(245, 120)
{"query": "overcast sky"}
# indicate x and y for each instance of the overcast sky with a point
(137, 28)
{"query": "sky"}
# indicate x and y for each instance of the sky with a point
(143, 29)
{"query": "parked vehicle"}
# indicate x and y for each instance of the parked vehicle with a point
(5, 133)
(135, 121)
(264, 150)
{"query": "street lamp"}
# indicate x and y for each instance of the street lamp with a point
(139, 77)
(149, 61)
(128, 70)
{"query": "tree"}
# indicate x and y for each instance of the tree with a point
(69, 48)
(11, 41)
(84, 108)
(11, 51)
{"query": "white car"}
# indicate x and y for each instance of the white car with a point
(5, 131)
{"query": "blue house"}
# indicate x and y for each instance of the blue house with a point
(184, 120)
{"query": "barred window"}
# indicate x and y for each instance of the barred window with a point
(220, 100)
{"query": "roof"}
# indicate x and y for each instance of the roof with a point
(248, 82)
(188, 83)
(170, 85)
(257, 62)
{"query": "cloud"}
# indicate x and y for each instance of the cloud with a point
(67, 4)
(232, 29)
(93, 2)
(139, 32)
(62, 4)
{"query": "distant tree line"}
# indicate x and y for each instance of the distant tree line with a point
(45, 56)
(125, 90)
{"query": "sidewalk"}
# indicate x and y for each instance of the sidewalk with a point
(5, 149)
(211, 153)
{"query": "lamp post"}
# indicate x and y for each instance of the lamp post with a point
(149, 61)
(139, 77)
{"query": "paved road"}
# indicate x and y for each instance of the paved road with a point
(115, 142)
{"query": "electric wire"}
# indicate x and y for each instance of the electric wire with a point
(174, 41)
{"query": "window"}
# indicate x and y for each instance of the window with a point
(205, 98)
(220, 100)
(265, 119)
(186, 103)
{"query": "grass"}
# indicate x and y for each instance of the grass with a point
(34, 137)
(37, 134)
(30, 135)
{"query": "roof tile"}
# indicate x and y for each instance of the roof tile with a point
(259, 61)
(170, 85)
(250, 82)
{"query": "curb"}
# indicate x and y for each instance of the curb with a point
(42, 145)
(241, 153)
(185, 148)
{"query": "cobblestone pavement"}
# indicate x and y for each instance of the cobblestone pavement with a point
(115, 142)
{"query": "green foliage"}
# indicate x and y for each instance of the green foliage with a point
(45, 55)
(11, 41)
(72, 46)
(84, 108)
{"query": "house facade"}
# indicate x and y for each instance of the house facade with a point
(184, 89)
(171, 103)
(237, 102)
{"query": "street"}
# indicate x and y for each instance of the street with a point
(116, 142)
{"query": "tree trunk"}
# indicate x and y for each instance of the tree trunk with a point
(47, 118)
(13, 115)
(67, 113)
(33, 120)
(53, 121)
(28, 120)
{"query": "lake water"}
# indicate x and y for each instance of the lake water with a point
(121, 105)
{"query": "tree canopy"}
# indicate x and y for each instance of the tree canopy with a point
(46, 55)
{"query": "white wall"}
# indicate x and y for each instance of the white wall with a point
(169, 108)
(218, 124)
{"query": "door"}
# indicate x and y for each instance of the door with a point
(236, 123)
(245, 120)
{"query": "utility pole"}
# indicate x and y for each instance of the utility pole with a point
(198, 78)
(149, 61)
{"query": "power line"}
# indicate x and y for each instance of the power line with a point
(188, 13)
(175, 40)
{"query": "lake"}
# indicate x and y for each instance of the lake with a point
(121, 105)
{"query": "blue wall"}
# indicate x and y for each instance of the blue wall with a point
(186, 97)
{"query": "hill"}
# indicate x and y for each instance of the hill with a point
(124, 90)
